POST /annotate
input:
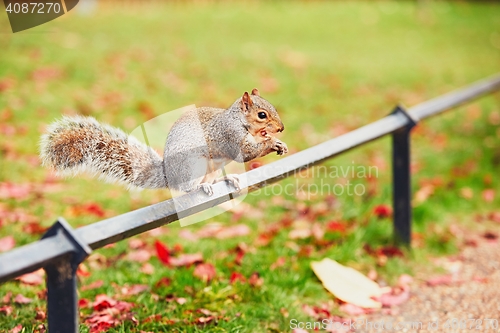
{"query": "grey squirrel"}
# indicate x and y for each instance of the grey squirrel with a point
(193, 154)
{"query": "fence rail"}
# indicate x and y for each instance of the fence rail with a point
(62, 249)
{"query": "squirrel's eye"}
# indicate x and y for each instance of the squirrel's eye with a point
(262, 115)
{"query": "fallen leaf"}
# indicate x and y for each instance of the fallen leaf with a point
(186, 259)
(7, 243)
(334, 226)
(40, 315)
(233, 231)
(280, 262)
(17, 329)
(147, 268)
(102, 302)
(163, 282)
(20, 299)
(397, 296)
(382, 211)
(255, 280)
(15, 191)
(134, 289)
(83, 303)
(205, 272)
(6, 309)
(424, 193)
(139, 255)
(34, 278)
(237, 277)
(93, 285)
(352, 310)
(441, 280)
(162, 252)
(136, 243)
(488, 195)
(347, 284)
(188, 235)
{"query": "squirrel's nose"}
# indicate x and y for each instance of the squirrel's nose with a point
(282, 128)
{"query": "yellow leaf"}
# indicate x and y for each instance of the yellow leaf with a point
(347, 284)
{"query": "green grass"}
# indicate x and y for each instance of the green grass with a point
(328, 67)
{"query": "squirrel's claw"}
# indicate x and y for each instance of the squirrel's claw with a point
(280, 147)
(207, 188)
(233, 179)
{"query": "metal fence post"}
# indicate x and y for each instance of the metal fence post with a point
(62, 297)
(401, 179)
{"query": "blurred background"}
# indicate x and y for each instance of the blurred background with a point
(328, 67)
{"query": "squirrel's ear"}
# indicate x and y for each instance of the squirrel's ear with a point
(255, 92)
(246, 102)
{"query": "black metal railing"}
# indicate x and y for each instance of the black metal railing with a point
(62, 248)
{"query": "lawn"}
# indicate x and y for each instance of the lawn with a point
(329, 68)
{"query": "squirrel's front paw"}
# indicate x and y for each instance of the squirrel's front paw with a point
(280, 147)
(207, 188)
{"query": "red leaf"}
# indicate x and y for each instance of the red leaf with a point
(335, 226)
(102, 302)
(34, 228)
(186, 259)
(7, 243)
(382, 211)
(163, 253)
(205, 272)
(94, 209)
(20, 299)
(83, 303)
(235, 277)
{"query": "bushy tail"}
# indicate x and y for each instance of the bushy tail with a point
(78, 144)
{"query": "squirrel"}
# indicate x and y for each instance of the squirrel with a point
(198, 145)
